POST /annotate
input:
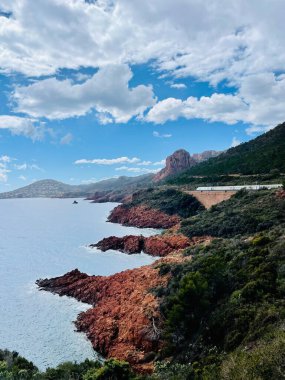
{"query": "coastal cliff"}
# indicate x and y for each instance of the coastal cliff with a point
(158, 245)
(142, 216)
(124, 321)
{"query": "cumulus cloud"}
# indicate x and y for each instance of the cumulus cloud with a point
(158, 163)
(5, 158)
(107, 92)
(211, 41)
(218, 107)
(259, 102)
(265, 95)
(22, 126)
(79, 33)
(178, 86)
(137, 170)
(124, 160)
(161, 135)
(108, 161)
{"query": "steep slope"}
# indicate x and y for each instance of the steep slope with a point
(258, 156)
(175, 163)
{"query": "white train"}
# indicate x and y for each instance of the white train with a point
(236, 188)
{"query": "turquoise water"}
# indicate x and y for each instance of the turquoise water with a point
(42, 238)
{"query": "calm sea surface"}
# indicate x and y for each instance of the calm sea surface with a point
(42, 238)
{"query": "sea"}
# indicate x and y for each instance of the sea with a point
(42, 238)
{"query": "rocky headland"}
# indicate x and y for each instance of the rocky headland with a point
(157, 245)
(124, 321)
(142, 216)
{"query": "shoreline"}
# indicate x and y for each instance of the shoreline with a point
(124, 313)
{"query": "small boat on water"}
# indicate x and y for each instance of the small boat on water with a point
(75, 202)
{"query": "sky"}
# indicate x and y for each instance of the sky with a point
(98, 89)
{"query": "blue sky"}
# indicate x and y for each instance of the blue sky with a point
(97, 89)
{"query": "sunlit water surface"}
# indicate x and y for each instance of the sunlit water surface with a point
(42, 238)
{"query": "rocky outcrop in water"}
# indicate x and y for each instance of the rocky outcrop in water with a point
(158, 245)
(142, 217)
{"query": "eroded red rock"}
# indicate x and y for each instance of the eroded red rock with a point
(142, 217)
(158, 245)
(124, 321)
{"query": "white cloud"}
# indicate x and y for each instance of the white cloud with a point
(161, 135)
(218, 107)
(158, 163)
(22, 126)
(235, 142)
(137, 170)
(23, 178)
(5, 158)
(265, 96)
(26, 166)
(259, 102)
(108, 161)
(208, 40)
(178, 86)
(66, 139)
(176, 34)
(144, 163)
(107, 92)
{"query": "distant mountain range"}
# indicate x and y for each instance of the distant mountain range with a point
(258, 156)
(49, 188)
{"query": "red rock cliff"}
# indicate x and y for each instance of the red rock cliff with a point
(176, 163)
(142, 217)
(126, 322)
(158, 245)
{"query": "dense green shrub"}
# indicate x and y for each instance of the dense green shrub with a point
(245, 213)
(170, 201)
(266, 360)
(15, 367)
(230, 295)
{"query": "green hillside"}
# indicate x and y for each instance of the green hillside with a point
(259, 156)
(246, 212)
(169, 201)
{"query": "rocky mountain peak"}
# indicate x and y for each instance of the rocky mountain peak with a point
(175, 163)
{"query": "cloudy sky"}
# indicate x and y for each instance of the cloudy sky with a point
(97, 89)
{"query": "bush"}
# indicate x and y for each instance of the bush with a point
(265, 361)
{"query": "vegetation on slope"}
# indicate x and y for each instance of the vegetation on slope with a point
(259, 156)
(226, 308)
(169, 201)
(246, 212)
(15, 367)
